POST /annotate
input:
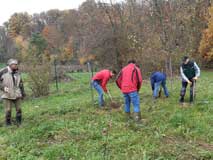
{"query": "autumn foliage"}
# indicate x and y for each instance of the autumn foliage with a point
(206, 44)
(155, 32)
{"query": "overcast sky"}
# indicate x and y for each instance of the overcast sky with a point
(9, 7)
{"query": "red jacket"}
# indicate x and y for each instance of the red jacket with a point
(103, 77)
(129, 79)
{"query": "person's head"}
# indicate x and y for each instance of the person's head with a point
(185, 59)
(132, 61)
(113, 73)
(13, 64)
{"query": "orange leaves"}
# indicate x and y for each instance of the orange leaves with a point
(52, 36)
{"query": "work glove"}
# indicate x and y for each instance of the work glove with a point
(6, 89)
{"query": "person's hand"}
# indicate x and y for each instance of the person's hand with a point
(189, 82)
(195, 78)
(6, 89)
(23, 96)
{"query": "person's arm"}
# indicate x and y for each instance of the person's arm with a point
(183, 75)
(152, 82)
(2, 71)
(118, 79)
(140, 79)
(197, 70)
(104, 83)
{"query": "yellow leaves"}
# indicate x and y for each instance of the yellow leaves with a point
(206, 44)
(211, 11)
(20, 42)
(19, 24)
(86, 58)
(67, 51)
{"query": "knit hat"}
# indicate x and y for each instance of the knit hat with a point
(12, 61)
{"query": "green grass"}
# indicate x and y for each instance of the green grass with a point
(2, 65)
(65, 125)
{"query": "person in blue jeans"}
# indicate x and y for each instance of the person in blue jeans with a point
(99, 82)
(129, 80)
(135, 99)
(100, 91)
(158, 79)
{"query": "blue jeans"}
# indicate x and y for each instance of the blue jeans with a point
(134, 98)
(157, 87)
(99, 89)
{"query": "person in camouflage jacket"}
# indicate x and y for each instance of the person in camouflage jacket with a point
(12, 87)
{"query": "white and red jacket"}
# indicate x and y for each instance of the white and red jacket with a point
(129, 79)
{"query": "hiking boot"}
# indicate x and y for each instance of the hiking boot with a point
(8, 119)
(181, 100)
(18, 120)
(154, 99)
(18, 117)
(102, 105)
(8, 122)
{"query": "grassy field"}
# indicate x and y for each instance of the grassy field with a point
(67, 126)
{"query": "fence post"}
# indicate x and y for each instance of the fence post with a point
(56, 75)
(90, 69)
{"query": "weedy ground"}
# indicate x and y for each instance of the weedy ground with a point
(66, 125)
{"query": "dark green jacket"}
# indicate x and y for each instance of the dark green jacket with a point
(189, 71)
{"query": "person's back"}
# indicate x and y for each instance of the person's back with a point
(129, 81)
(102, 78)
(101, 75)
(99, 82)
(158, 76)
(158, 79)
(131, 78)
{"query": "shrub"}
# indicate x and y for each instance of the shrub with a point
(39, 78)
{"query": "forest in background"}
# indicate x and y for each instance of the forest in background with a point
(157, 33)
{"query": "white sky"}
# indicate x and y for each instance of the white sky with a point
(9, 7)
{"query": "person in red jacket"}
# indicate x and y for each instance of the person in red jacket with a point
(129, 80)
(99, 82)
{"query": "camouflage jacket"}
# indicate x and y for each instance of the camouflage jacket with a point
(13, 82)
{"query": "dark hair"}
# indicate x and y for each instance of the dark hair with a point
(185, 58)
(114, 72)
(131, 61)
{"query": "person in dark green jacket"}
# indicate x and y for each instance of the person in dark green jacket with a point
(190, 72)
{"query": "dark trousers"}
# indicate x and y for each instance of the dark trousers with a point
(8, 104)
(183, 91)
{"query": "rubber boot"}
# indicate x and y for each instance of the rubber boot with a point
(8, 119)
(181, 100)
(18, 118)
